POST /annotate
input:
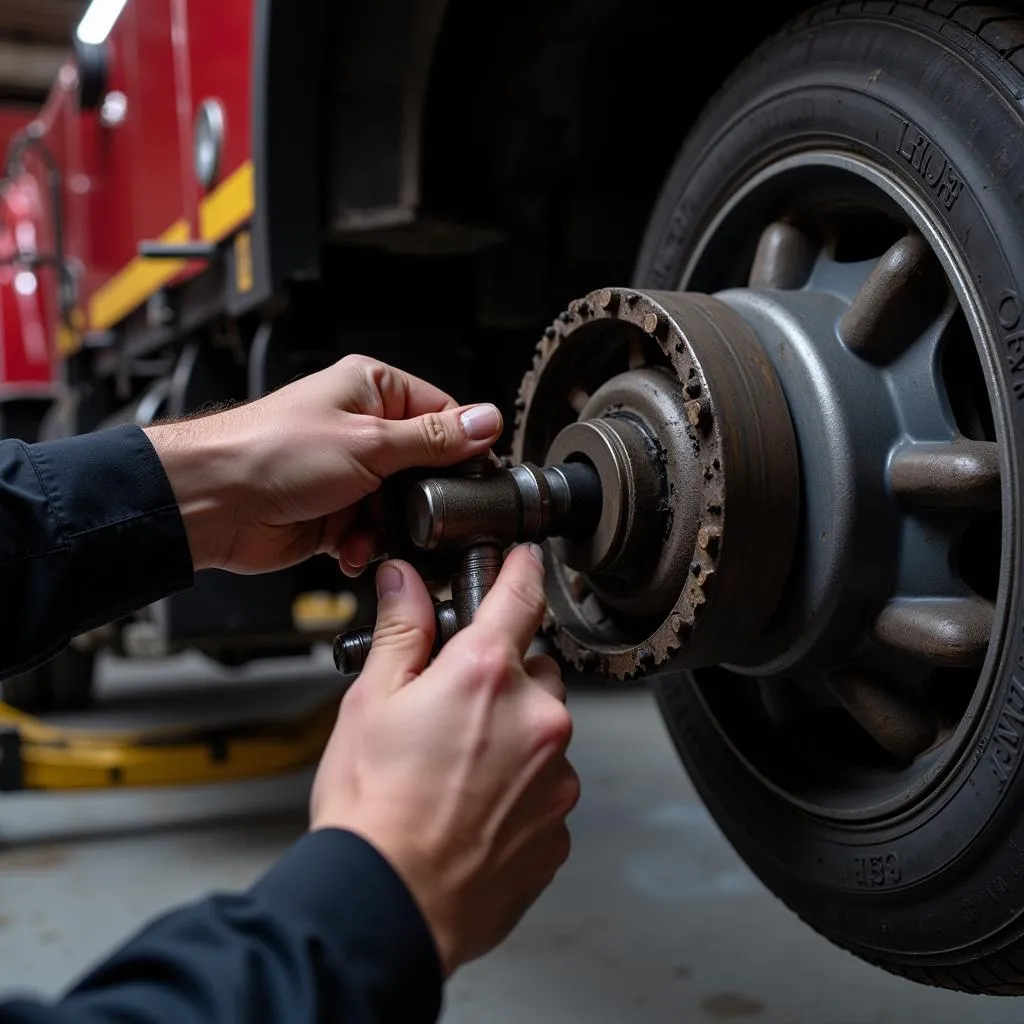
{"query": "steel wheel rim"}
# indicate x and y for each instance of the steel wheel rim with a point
(920, 782)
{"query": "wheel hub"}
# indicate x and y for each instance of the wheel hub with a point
(700, 498)
(786, 487)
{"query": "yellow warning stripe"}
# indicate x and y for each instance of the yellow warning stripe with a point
(69, 337)
(228, 205)
(221, 212)
(68, 341)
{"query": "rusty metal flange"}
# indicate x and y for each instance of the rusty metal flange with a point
(691, 373)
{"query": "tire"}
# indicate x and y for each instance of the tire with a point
(65, 683)
(938, 895)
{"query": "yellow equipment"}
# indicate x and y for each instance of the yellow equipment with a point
(36, 755)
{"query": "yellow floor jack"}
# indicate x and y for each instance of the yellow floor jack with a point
(37, 754)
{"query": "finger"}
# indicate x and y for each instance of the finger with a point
(547, 802)
(358, 549)
(515, 605)
(312, 537)
(404, 633)
(334, 528)
(434, 439)
(546, 672)
(543, 789)
(390, 393)
(405, 395)
(534, 862)
(555, 793)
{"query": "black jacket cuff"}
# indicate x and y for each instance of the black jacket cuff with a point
(353, 898)
(118, 520)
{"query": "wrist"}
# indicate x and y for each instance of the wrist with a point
(203, 467)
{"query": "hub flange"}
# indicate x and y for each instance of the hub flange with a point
(672, 400)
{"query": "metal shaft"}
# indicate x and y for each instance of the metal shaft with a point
(478, 571)
(479, 512)
(505, 506)
(353, 648)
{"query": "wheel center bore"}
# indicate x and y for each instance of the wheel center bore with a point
(624, 454)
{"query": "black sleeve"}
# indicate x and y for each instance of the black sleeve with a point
(329, 936)
(89, 531)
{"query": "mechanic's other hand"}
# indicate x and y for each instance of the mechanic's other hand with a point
(268, 484)
(456, 773)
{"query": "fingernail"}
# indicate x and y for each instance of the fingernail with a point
(537, 551)
(357, 556)
(389, 580)
(481, 422)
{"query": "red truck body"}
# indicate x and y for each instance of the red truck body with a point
(105, 170)
(26, 295)
(127, 175)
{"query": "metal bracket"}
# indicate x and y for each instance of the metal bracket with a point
(177, 250)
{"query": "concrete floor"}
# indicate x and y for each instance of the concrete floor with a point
(654, 919)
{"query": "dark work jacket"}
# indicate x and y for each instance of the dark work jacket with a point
(89, 531)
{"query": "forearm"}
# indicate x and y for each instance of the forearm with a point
(329, 934)
(89, 531)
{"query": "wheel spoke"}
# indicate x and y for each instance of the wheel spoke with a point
(902, 726)
(783, 259)
(903, 294)
(961, 474)
(950, 632)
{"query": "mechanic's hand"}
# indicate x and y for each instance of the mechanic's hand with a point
(268, 484)
(457, 772)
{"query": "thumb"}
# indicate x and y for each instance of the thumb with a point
(437, 438)
(404, 634)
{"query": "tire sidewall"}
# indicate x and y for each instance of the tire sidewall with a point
(954, 873)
